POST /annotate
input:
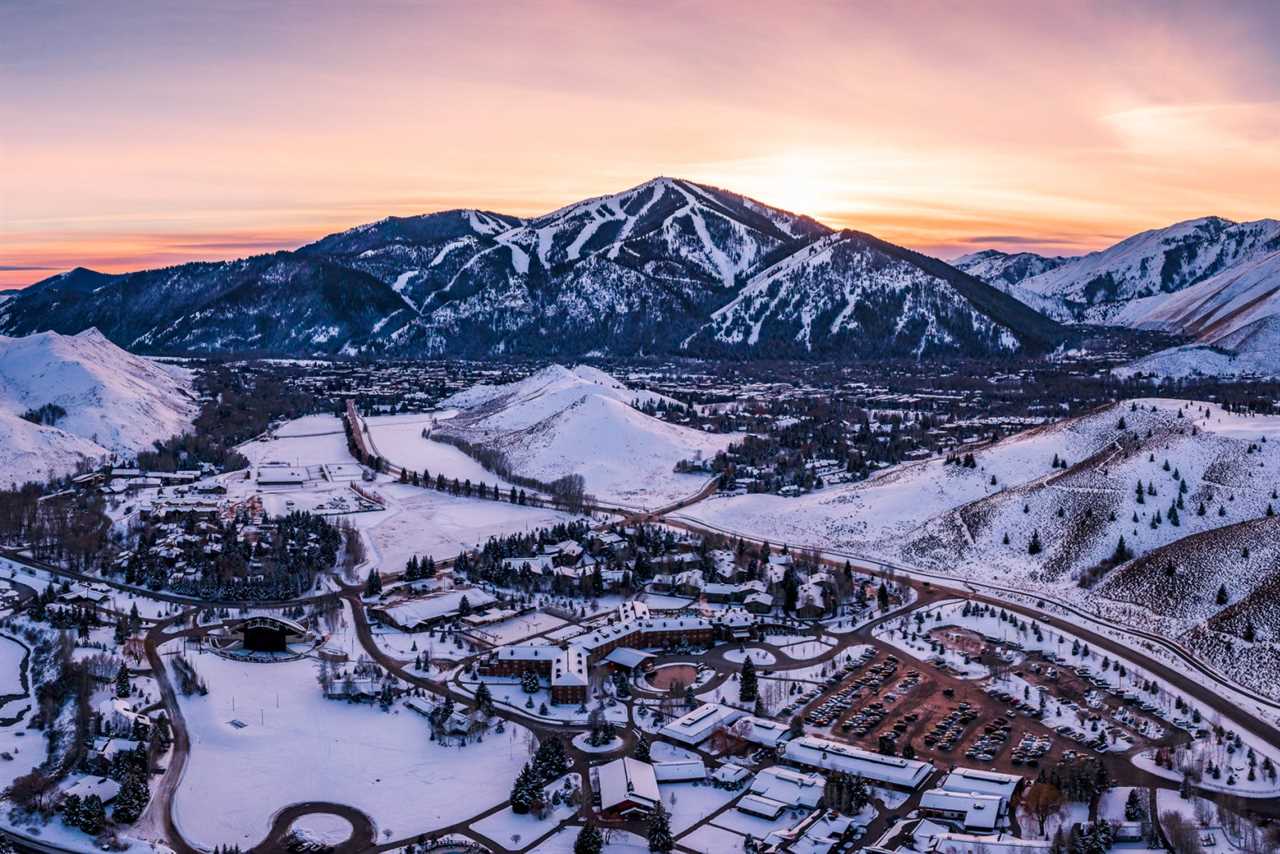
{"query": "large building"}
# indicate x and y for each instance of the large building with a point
(905, 775)
(567, 665)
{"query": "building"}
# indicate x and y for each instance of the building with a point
(270, 475)
(983, 782)
(1000, 843)
(968, 811)
(628, 788)
(776, 789)
(905, 775)
(698, 725)
(267, 633)
(421, 613)
(821, 832)
(633, 627)
(680, 770)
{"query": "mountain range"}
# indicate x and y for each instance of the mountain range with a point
(667, 267)
(672, 267)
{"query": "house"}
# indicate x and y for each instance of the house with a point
(628, 788)
(105, 788)
(730, 776)
(761, 731)
(905, 775)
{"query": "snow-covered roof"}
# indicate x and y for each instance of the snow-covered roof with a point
(984, 782)
(835, 756)
(761, 731)
(627, 657)
(627, 779)
(104, 787)
(980, 812)
(411, 612)
(569, 667)
(677, 770)
(697, 726)
(1000, 843)
(788, 786)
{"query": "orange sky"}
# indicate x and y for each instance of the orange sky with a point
(147, 136)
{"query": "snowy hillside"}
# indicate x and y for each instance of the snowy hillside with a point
(842, 293)
(559, 422)
(98, 400)
(1005, 269)
(1098, 287)
(1202, 470)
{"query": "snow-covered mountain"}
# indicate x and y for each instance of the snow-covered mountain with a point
(642, 271)
(1102, 287)
(850, 293)
(1006, 269)
(563, 421)
(91, 399)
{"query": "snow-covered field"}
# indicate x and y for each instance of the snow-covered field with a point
(399, 439)
(11, 655)
(560, 421)
(297, 746)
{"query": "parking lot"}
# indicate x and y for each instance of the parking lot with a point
(883, 702)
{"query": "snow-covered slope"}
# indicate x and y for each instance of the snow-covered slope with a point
(844, 293)
(1005, 269)
(559, 422)
(954, 520)
(115, 402)
(1098, 287)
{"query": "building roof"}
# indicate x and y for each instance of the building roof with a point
(788, 786)
(761, 731)
(835, 756)
(981, 812)
(984, 782)
(765, 807)
(1000, 843)
(569, 668)
(697, 726)
(676, 770)
(627, 779)
(104, 787)
(412, 612)
(627, 657)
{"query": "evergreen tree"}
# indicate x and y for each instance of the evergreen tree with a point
(1034, 547)
(641, 750)
(882, 597)
(589, 840)
(748, 689)
(524, 792)
(92, 815)
(660, 840)
(373, 587)
(1222, 597)
(484, 699)
(123, 688)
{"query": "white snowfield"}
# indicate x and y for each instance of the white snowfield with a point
(294, 745)
(116, 403)
(954, 520)
(560, 421)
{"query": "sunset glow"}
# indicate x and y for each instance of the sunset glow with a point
(134, 136)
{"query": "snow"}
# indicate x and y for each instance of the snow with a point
(760, 657)
(560, 421)
(689, 803)
(620, 842)
(322, 828)
(297, 746)
(116, 403)
(398, 439)
(11, 656)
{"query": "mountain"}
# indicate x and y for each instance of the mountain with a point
(562, 421)
(1006, 269)
(93, 400)
(1101, 287)
(666, 267)
(851, 293)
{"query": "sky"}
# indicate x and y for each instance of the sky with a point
(139, 135)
